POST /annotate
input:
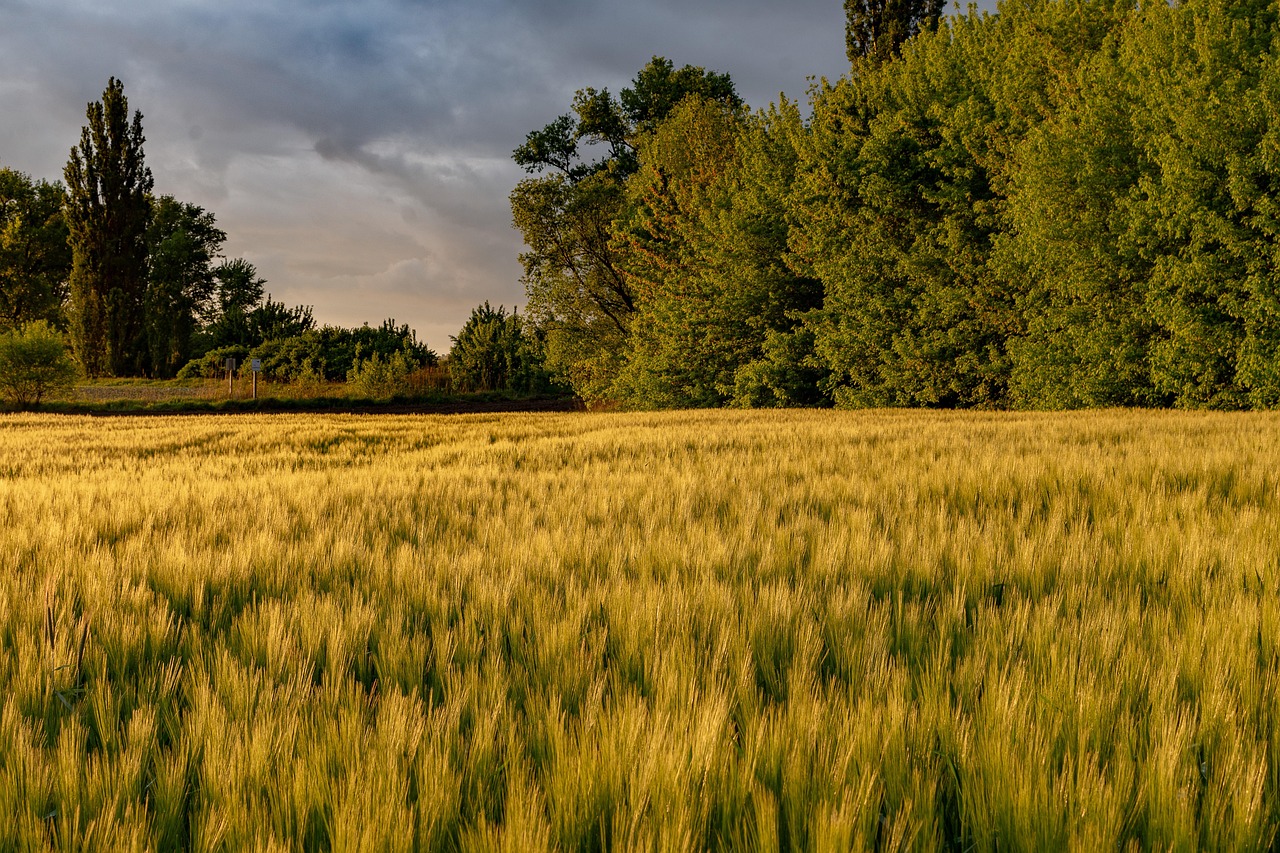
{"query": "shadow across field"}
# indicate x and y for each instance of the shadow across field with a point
(468, 404)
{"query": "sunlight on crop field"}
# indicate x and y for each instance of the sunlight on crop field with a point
(749, 631)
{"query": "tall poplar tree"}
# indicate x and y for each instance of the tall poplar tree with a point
(108, 212)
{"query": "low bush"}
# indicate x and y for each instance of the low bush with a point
(497, 351)
(34, 364)
(212, 365)
(380, 377)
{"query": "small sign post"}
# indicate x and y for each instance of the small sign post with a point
(231, 377)
(256, 366)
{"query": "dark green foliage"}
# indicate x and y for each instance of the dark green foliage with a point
(876, 29)
(293, 359)
(34, 363)
(331, 353)
(659, 88)
(497, 351)
(35, 260)
(1069, 203)
(239, 287)
(271, 320)
(108, 211)
(240, 314)
(686, 338)
(1064, 205)
(896, 207)
(136, 279)
(578, 296)
(787, 373)
(382, 378)
(212, 365)
(182, 244)
(704, 247)
(1140, 219)
(601, 119)
(342, 348)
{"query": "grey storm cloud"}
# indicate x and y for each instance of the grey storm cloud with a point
(358, 153)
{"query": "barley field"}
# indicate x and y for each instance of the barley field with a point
(687, 631)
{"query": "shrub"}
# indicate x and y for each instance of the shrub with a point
(497, 351)
(381, 377)
(297, 359)
(34, 363)
(330, 353)
(211, 365)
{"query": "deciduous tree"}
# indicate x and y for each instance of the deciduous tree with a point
(34, 363)
(183, 242)
(497, 351)
(577, 295)
(876, 29)
(35, 260)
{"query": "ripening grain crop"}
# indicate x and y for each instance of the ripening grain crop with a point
(748, 631)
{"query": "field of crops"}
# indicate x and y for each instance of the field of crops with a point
(748, 631)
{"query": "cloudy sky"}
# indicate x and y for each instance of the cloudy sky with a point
(358, 152)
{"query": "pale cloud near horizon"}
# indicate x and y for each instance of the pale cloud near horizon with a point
(358, 153)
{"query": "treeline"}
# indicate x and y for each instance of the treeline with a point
(1067, 203)
(137, 281)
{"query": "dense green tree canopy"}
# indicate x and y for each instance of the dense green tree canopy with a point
(1067, 203)
(139, 280)
(183, 242)
(615, 124)
(298, 351)
(497, 351)
(578, 296)
(108, 211)
(702, 248)
(35, 260)
(876, 29)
